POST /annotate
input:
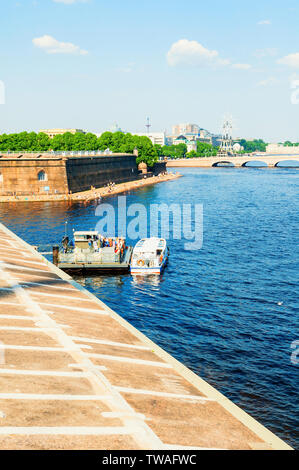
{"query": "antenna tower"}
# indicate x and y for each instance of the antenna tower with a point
(148, 125)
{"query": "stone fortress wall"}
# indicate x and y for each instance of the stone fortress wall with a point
(53, 175)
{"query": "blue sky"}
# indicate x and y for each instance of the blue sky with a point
(88, 64)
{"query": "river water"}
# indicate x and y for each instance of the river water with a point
(228, 311)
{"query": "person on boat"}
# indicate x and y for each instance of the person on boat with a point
(65, 242)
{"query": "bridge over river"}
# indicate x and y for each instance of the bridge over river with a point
(207, 162)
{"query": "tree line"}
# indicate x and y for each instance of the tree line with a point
(117, 142)
(255, 145)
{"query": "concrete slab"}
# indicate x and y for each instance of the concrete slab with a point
(11, 383)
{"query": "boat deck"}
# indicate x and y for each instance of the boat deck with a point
(112, 267)
(75, 375)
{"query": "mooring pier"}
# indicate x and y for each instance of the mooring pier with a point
(75, 375)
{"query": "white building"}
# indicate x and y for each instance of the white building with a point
(281, 149)
(191, 144)
(53, 132)
(158, 138)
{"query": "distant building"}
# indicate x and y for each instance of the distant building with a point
(52, 132)
(115, 128)
(169, 140)
(158, 138)
(205, 140)
(216, 140)
(181, 139)
(281, 149)
(185, 128)
(191, 144)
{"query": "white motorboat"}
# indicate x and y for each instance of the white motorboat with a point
(150, 256)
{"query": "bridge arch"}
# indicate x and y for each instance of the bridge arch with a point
(255, 164)
(223, 164)
(287, 164)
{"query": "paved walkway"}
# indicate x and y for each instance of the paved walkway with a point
(75, 375)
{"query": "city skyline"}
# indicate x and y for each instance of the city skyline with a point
(86, 64)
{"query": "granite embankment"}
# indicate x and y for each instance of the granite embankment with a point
(93, 193)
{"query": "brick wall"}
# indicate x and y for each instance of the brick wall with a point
(21, 176)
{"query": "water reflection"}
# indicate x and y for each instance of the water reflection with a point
(99, 282)
(152, 280)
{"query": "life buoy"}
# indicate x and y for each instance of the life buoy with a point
(140, 262)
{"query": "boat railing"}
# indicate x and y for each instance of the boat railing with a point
(89, 256)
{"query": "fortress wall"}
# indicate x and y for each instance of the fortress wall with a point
(20, 177)
(82, 173)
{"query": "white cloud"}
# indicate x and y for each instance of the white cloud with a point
(268, 82)
(292, 60)
(192, 53)
(264, 22)
(185, 52)
(241, 66)
(52, 46)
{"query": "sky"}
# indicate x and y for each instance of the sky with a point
(88, 64)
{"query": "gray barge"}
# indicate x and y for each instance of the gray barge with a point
(92, 253)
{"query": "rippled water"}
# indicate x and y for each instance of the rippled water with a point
(229, 311)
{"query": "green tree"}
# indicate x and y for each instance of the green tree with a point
(91, 142)
(174, 151)
(256, 145)
(146, 151)
(192, 154)
(43, 142)
(206, 150)
(57, 143)
(105, 140)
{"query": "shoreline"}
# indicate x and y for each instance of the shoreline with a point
(93, 194)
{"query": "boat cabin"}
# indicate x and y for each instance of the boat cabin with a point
(82, 239)
(149, 249)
